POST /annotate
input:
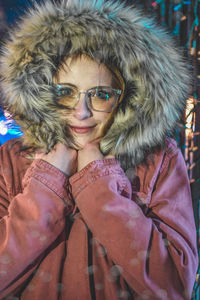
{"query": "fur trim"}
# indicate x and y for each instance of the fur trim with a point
(153, 70)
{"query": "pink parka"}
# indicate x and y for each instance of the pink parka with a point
(116, 239)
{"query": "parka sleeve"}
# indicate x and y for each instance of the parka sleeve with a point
(29, 222)
(154, 248)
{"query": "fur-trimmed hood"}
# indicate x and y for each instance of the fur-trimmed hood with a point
(153, 70)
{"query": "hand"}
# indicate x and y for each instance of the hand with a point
(89, 153)
(61, 157)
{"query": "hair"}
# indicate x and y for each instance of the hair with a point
(118, 80)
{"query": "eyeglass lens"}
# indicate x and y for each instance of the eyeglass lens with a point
(99, 98)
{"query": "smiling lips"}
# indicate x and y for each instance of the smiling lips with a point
(82, 130)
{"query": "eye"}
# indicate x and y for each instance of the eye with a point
(64, 91)
(103, 94)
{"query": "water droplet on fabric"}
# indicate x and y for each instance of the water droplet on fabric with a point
(60, 287)
(162, 294)
(99, 286)
(91, 269)
(5, 259)
(134, 261)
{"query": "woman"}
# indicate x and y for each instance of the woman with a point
(95, 199)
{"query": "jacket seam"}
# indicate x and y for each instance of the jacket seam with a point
(166, 159)
(104, 162)
(48, 166)
(51, 186)
(94, 178)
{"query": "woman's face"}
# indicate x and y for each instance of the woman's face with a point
(84, 73)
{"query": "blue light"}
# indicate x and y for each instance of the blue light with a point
(8, 129)
(177, 7)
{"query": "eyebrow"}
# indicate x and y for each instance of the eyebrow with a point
(72, 85)
(66, 83)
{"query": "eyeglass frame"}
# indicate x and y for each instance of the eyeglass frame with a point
(117, 92)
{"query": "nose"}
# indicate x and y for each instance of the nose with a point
(81, 110)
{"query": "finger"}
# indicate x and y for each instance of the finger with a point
(109, 156)
(39, 154)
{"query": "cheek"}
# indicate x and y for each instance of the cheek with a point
(104, 121)
(101, 117)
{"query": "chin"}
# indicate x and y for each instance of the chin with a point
(81, 142)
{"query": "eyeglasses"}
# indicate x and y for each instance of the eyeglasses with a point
(99, 98)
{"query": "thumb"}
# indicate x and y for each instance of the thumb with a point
(109, 156)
